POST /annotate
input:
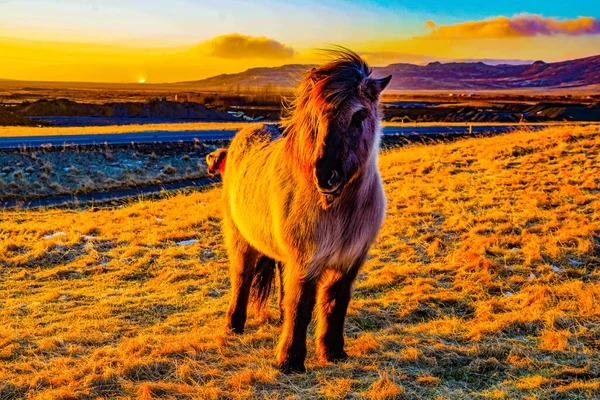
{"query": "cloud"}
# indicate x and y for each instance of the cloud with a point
(524, 25)
(430, 24)
(237, 46)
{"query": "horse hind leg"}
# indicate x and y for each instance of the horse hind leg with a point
(242, 258)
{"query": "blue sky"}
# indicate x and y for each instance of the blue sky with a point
(477, 9)
(296, 22)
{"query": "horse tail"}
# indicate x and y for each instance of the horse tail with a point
(262, 283)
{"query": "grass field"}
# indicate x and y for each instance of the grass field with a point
(88, 130)
(218, 126)
(484, 283)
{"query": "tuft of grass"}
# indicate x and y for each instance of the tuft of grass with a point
(483, 283)
(169, 169)
(18, 174)
(47, 168)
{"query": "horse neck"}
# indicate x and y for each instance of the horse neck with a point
(368, 171)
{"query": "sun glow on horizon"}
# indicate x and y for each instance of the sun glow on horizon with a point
(142, 80)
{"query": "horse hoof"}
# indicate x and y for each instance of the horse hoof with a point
(238, 330)
(287, 368)
(335, 357)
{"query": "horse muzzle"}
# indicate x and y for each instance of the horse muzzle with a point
(329, 180)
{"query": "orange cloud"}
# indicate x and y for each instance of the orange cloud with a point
(238, 46)
(524, 25)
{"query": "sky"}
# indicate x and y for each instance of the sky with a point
(181, 40)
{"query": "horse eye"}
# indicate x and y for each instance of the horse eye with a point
(358, 118)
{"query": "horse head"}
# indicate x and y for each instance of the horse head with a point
(335, 122)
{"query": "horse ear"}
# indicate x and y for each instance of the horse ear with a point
(383, 83)
(313, 74)
(376, 86)
(222, 155)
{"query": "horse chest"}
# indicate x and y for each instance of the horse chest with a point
(346, 236)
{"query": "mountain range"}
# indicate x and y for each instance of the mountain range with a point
(573, 74)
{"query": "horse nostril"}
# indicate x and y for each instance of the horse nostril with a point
(328, 175)
(334, 178)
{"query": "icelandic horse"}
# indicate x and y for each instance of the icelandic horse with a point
(312, 199)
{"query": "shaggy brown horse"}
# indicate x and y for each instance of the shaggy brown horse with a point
(312, 199)
(216, 160)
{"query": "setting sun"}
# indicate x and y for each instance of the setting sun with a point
(142, 80)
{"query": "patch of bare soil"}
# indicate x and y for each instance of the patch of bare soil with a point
(9, 118)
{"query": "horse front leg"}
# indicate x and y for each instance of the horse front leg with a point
(333, 298)
(242, 258)
(299, 301)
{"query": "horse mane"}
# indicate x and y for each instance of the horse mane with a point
(322, 90)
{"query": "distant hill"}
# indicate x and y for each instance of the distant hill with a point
(9, 118)
(284, 76)
(435, 76)
(490, 61)
(480, 76)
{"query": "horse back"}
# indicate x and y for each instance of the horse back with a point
(246, 142)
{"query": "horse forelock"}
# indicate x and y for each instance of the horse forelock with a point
(319, 96)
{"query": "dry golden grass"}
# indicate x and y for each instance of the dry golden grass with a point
(219, 126)
(90, 130)
(521, 126)
(484, 283)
